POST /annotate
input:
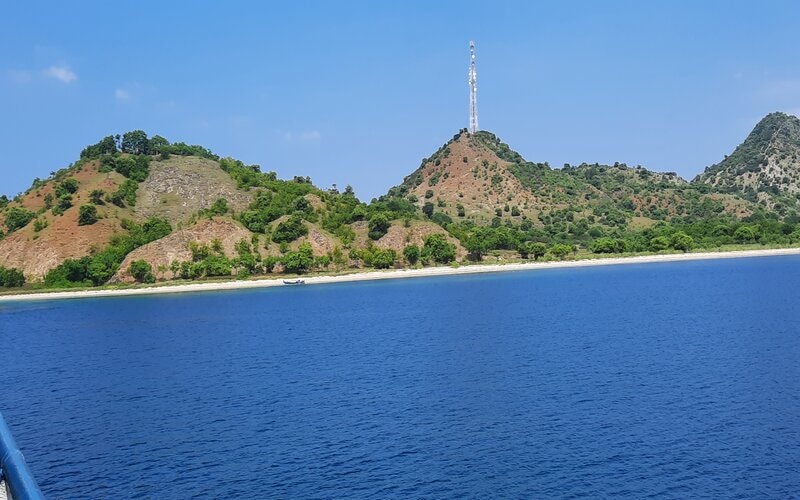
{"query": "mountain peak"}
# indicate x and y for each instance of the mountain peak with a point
(765, 167)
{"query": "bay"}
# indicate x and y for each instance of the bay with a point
(670, 380)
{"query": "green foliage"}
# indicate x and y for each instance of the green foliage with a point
(299, 261)
(66, 187)
(141, 271)
(87, 215)
(219, 207)
(39, 224)
(11, 277)
(607, 245)
(135, 142)
(682, 241)
(660, 243)
(378, 226)
(532, 249)
(136, 168)
(379, 258)
(442, 219)
(560, 250)
(107, 145)
(289, 230)
(125, 195)
(478, 241)
(96, 196)
(98, 268)
(17, 218)
(438, 249)
(63, 204)
(278, 199)
(411, 254)
(427, 209)
(247, 261)
(746, 234)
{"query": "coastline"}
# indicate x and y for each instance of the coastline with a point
(395, 274)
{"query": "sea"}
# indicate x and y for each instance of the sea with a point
(667, 380)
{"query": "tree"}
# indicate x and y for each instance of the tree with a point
(383, 258)
(682, 241)
(660, 243)
(87, 215)
(66, 187)
(158, 145)
(537, 249)
(142, 271)
(378, 226)
(560, 250)
(746, 234)
(107, 145)
(438, 249)
(64, 202)
(96, 196)
(11, 277)
(477, 243)
(427, 209)
(135, 142)
(299, 261)
(607, 245)
(17, 218)
(220, 207)
(289, 230)
(411, 253)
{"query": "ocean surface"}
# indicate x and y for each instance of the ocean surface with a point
(672, 380)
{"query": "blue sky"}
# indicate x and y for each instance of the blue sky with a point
(358, 92)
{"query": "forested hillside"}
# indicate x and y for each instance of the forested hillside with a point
(135, 208)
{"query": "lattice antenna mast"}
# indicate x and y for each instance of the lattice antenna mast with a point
(473, 90)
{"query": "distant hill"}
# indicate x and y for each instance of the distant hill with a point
(477, 178)
(136, 208)
(765, 168)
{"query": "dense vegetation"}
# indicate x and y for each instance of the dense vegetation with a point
(11, 278)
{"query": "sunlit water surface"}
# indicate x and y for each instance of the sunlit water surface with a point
(673, 380)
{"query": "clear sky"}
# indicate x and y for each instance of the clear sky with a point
(359, 92)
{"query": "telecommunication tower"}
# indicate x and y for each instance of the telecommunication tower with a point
(473, 90)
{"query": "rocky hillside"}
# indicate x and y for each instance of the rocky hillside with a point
(177, 211)
(765, 168)
(476, 178)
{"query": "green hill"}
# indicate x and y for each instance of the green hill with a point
(134, 208)
(765, 168)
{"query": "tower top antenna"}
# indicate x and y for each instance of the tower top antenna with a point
(473, 90)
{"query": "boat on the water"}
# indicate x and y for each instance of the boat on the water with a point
(297, 281)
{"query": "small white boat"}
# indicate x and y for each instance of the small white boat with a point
(297, 281)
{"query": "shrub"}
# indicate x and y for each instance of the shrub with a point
(560, 250)
(87, 215)
(289, 230)
(607, 245)
(141, 271)
(411, 253)
(299, 261)
(438, 249)
(682, 241)
(96, 196)
(11, 277)
(17, 218)
(378, 226)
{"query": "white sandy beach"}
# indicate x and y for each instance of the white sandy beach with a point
(398, 273)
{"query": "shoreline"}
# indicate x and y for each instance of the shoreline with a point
(396, 274)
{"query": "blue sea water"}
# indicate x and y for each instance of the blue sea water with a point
(674, 380)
